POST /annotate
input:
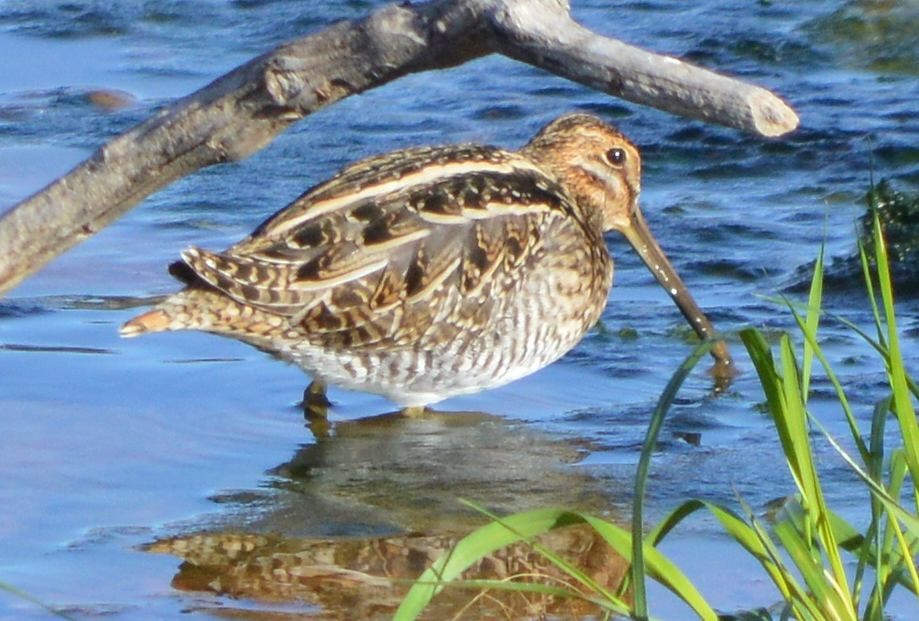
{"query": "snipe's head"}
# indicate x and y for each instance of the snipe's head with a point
(601, 170)
(598, 166)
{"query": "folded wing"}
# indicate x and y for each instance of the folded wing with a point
(376, 253)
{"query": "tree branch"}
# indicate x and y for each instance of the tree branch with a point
(556, 43)
(240, 112)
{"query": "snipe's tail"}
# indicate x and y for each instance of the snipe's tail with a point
(151, 321)
(197, 307)
(190, 309)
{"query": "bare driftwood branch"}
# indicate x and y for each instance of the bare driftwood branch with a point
(240, 112)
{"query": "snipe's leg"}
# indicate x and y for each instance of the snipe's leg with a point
(315, 402)
(414, 411)
(316, 409)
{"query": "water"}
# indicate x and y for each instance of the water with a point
(109, 445)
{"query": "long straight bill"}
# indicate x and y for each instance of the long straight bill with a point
(639, 236)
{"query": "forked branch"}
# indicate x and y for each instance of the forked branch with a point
(240, 112)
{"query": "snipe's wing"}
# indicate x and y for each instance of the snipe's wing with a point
(374, 254)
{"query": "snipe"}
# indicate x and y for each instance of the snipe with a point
(436, 271)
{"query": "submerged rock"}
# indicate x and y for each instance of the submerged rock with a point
(899, 217)
(898, 213)
(110, 99)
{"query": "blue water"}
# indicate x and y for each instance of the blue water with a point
(110, 444)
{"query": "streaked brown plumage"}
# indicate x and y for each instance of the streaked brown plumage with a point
(435, 271)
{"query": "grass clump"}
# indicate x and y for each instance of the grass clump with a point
(822, 566)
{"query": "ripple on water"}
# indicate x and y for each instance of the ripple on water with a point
(607, 109)
(754, 53)
(878, 36)
(11, 309)
(499, 113)
(64, 20)
(77, 116)
(739, 270)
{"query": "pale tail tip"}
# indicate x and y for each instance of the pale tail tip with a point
(152, 321)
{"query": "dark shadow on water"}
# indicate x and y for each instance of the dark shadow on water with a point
(60, 349)
(352, 518)
(23, 306)
(413, 470)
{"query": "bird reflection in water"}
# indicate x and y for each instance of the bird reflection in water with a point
(367, 578)
(351, 519)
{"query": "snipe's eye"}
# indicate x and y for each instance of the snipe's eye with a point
(616, 156)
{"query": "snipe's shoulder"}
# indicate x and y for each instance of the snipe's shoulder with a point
(424, 181)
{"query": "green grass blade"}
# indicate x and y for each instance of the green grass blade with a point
(876, 535)
(672, 520)
(524, 526)
(572, 571)
(903, 403)
(810, 338)
(881, 349)
(908, 546)
(637, 570)
(814, 301)
(770, 381)
(866, 549)
(891, 505)
(872, 296)
(791, 421)
(474, 546)
(662, 528)
(512, 584)
(758, 544)
(657, 565)
(9, 588)
(761, 356)
(825, 597)
(786, 401)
